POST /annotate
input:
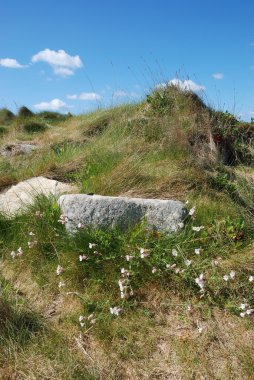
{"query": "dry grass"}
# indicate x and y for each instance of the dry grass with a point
(145, 150)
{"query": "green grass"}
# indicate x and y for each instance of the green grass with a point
(158, 149)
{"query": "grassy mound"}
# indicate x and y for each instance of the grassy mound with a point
(24, 112)
(135, 304)
(6, 116)
(34, 127)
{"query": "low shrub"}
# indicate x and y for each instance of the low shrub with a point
(6, 116)
(25, 112)
(53, 116)
(34, 127)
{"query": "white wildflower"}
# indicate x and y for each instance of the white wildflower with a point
(154, 270)
(192, 211)
(13, 254)
(232, 274)
(200, 281)
(181, 225)
(199, 327)
(59, 270)
(249, 311)
(81, 318)
(115, 310)
(243, 306)
(63, 219)
(39, 214)
(83, 257)
(198, 228)
(129, 257)
(251, 278)
(19, 251)
(91, 245)
(31, 234)
(121, 284)
(174, 252)
(187, 262)
(197, 251)
(32, 244)
(226, 277)
(242, 314)
(125, 272)
(144, 253)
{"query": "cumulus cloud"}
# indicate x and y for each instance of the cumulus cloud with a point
(218, 76)
(186, 85)
(63, 64)
(11, 63)
(72, 97)
(53, 105)
(85, 96)
(63, 71)
(119, 94)
(123, 94)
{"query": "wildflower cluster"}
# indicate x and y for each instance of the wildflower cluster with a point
(246, 310)
(85, 321)
(17, 253)
(124, 284)
(63, 219)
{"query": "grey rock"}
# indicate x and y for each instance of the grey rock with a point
(103, 211)
(18, 197)
(16, 149)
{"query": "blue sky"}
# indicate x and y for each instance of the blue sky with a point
(80, 54)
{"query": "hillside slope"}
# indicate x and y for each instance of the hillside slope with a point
(135, 304)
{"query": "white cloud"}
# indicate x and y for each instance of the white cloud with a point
(72, 97)
(11, 63)
(85, 96)
(123, 94)
(119, 94)
(186, 84)
(63, 71)
(63, 64)
(89, 96)
(218, 76)
(53, 105)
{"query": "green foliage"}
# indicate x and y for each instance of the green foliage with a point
(6, 116)
(233, 135)
(17, 322)
(169, 99)
(50, 116)
(34, 127)
(3, 131)
(24, 112)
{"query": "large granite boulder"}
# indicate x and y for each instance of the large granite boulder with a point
(16, 149)
(18, 197)
(103, 211)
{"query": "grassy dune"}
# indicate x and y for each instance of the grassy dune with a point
(186, 311)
